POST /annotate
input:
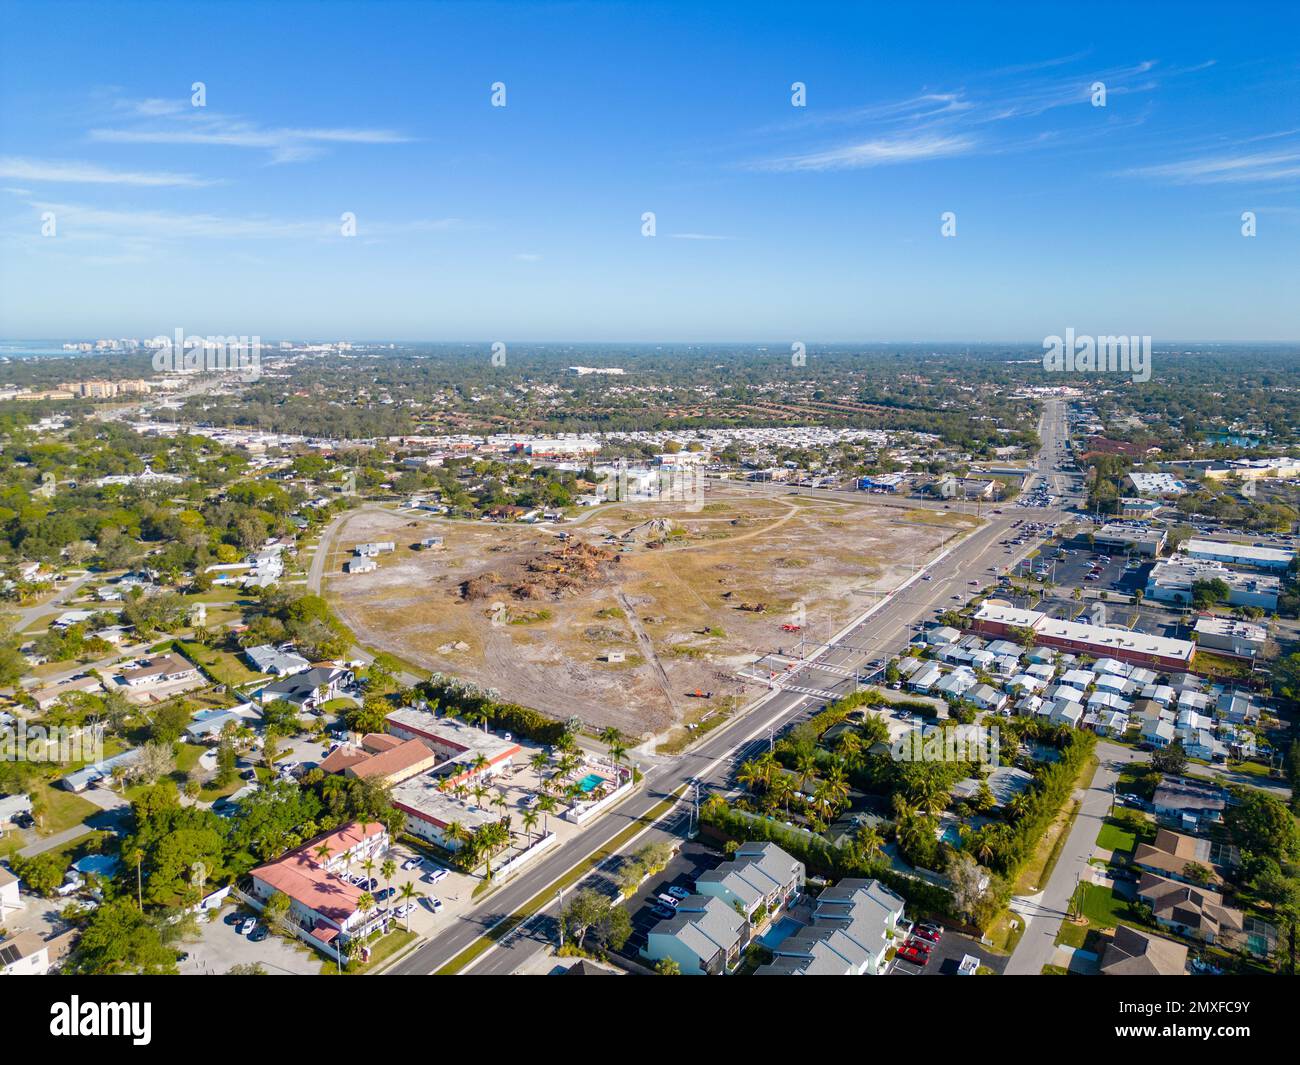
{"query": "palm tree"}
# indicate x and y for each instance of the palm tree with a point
(806, 766)
(870, 840)
(456, 833)
(137, 856)
(388, 870)
(539, 761)
(780, 792)
(408, 895)
(365, 903)
(479, 791)
(754, 775)
(849, 747)
(548, 805)
(369, 867)
(529, 820)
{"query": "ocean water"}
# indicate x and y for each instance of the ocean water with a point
(34, 349)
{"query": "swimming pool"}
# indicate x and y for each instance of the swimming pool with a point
(590, 783)
(779, 932)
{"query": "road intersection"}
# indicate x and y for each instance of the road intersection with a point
(830, 670)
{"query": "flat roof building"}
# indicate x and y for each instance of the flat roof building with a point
(1101, 641)
(1269, 558)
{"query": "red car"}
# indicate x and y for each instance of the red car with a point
(920, 944)
(931, 934)
(910, 953)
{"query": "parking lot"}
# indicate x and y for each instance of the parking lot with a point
(689, 863)
(946, 956)
(221, 946)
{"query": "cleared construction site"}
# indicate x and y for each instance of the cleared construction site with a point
(636, 615)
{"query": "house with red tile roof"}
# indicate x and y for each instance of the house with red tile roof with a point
(323, 905)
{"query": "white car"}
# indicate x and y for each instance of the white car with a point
(410, 863)
(432, 903)
(434, 875)
(404, 909)
(247, 925)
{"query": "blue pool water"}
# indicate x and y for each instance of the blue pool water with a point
(590, 783)
(952, 836)
(782, 930)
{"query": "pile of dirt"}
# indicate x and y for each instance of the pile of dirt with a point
(479, 587)
(572, 568)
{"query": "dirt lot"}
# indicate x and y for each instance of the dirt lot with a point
(515, 608)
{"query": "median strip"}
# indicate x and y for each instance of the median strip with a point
(508, 924)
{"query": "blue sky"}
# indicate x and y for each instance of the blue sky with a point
(773, 222)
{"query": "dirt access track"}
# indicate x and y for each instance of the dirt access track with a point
(632, 614)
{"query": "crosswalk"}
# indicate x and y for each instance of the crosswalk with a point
(820, 693)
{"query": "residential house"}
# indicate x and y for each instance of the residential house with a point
(1172, 852)
(277, 661)
(1134, 953)
(705, 937)
(760, 880)
(308, 689)
(169, 668)
(854, 925)
(1190, 910)
(1188, 803)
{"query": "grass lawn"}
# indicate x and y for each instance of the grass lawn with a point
(1105, 909)
(187, 758)
(380, 951)
(1116, 837)
(63, 809)
(1003, 938)
(222, 666)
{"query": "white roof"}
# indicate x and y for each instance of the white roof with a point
(1220, 549)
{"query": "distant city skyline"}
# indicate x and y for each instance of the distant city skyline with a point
(772, 223)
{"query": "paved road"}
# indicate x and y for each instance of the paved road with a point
(25, 616)
(1045, 911)
(884, 629)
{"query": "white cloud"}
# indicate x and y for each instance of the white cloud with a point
(90, 174)
(286, 144)
(880, 151)
(1239, 168)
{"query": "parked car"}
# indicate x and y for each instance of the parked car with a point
(411, 863)
(678, 892)
(929, 934)
(368, 884)
(910, 953)
(404, 909)
(432, 903)
(662, 912)
(258, 934)
(247, 925)
(919, 944)
(434, 875)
